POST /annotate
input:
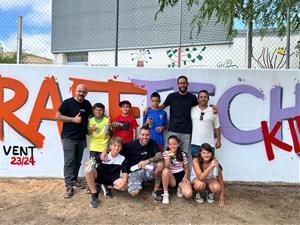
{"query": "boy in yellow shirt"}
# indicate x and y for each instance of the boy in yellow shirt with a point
(99, 132)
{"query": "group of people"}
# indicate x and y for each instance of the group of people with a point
(124, 160)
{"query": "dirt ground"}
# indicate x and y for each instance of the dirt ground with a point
(40, 201)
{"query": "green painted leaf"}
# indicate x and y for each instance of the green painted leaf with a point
(184, 62)
(199, 57)
(168, 52)
(194, 49)
(173, 64)
(189, 55)
(175, 51)
(193, 60)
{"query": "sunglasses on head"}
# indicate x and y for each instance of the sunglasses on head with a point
(201, 116)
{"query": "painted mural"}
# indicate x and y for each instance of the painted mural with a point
(259, 114)
(188, 56)
(275, 59)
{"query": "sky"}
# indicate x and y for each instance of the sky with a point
(36, 25)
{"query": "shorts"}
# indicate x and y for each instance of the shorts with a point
(178, 177)
(106, 179)
(94, 154)
(136, 179)
(192, 175)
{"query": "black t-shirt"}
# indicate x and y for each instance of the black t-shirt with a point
(180, 111)
(70, 107)
(134, 152)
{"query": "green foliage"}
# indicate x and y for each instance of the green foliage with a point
(11, 59)
(265, 14)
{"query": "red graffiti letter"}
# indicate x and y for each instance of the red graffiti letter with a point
(294, 134)
(269, 139)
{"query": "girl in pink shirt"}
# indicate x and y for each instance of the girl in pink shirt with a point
(175, 173)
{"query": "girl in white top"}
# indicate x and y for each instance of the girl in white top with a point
(202, 175)
(175, 173)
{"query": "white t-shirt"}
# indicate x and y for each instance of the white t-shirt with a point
(203, 130)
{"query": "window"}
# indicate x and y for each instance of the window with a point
(77, 57)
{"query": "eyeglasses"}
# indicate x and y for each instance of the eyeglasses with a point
(201, 116)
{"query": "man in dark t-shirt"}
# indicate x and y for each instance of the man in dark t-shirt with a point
(180, 123)
(144, 163)
(74, 113)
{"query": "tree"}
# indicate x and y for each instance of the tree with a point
(9, 59)
(265, 14)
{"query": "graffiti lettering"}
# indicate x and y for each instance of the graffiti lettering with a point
(8, 108)
(22, 155)
(18, 150)
(170, 84)
(49, 89)
(22, 161)
(30, 131)
(229, 130)
(270, 137)
(114, 89)
(277, 113)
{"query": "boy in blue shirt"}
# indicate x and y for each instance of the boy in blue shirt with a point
(157, 121)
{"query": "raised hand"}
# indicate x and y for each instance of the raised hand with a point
(77, 118)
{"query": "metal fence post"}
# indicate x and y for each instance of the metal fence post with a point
(180, 33)
(19, 41)
(117, 34)
(288, 38)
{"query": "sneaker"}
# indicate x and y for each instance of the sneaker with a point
(165, 199)
(179, 194)
(94, 203)
(157, 196)
(198, 198)
(210, 197)
(78, 185)
(106, 191)
(69, 192)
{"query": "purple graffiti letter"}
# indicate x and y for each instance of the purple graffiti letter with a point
(277, 113)
(229, 130)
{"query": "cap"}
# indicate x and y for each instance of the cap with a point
(124, 102)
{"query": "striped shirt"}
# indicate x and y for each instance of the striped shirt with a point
(175, 165)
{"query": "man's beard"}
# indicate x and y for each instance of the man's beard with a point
(183, 89)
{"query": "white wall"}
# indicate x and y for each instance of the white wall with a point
(231, 56)
(242, 158)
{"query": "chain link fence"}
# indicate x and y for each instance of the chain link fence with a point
(84, 32)
(36, 36)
